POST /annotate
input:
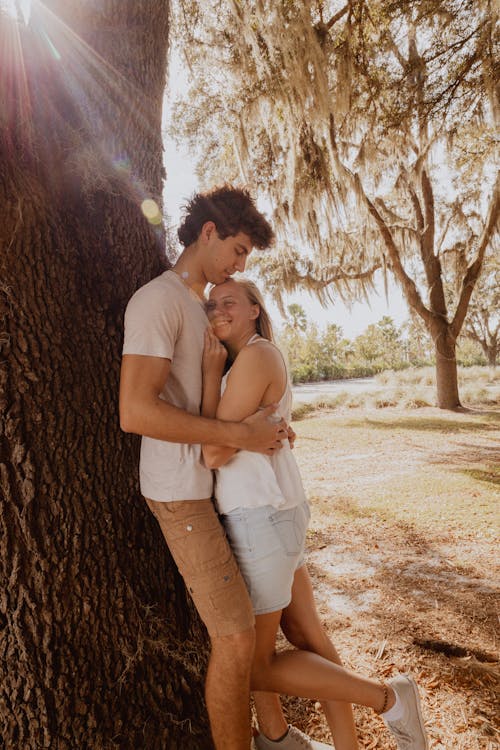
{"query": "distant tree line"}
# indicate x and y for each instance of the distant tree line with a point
(326, 354)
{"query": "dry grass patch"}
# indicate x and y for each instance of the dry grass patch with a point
(403, 553)
(479, 387)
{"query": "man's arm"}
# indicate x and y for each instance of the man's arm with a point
(143, 412)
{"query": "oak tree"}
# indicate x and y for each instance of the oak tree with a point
(99, 647)
(370, 125)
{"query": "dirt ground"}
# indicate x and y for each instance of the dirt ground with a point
(403, 552)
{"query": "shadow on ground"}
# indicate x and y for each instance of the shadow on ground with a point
(407, 600)
(437, 424)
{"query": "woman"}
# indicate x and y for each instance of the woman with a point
(264, 510)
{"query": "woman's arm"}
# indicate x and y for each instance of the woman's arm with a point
(257, 378)
(213, 361)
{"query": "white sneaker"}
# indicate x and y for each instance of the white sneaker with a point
(294, 740)
(409, 731)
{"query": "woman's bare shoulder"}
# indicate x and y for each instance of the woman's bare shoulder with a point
(261, 351)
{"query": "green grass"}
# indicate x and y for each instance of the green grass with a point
(441, 501)
(433, 474)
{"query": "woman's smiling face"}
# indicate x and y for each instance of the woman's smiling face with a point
(230, 312)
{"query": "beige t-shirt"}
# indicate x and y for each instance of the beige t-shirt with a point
(166, 319)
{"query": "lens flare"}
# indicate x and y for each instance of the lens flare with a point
(15, 7)
(90, 85)
(151, 211)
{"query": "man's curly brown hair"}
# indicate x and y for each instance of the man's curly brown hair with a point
(232, 210)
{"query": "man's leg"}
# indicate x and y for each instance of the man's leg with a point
(227, 690)
(199, 546)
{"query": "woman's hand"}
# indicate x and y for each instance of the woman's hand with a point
(214, 355)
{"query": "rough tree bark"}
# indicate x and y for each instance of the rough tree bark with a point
(99, 647)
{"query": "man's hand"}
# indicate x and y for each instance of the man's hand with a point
(265, 435)
(291, 436)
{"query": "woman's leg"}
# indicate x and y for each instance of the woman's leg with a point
(270, 716)
(308, 673)
(272, 722)
(268, 574)
(302, 627)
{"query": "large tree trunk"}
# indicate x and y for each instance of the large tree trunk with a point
(492, 356)
(99, 647)
(446, 366)
(490, 351)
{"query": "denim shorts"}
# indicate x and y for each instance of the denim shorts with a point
(269, 547)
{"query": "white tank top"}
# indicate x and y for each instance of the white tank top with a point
(250, 480)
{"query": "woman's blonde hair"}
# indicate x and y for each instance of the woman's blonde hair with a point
(263, 323)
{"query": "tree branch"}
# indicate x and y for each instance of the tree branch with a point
(432, 264)
(409, 287)
(315, 283)
(396, 51)
(456, 45)
(417, 208)
(472, 274)
(337, 16)
(443, 234)
(391, 215)
(322, 29)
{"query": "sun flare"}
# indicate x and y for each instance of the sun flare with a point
(17, 9)
(40, 43)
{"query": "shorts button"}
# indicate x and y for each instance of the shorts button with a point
(189, 527)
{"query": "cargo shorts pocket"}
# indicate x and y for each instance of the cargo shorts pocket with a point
(223, 602)
(290, 526)
(197, 543)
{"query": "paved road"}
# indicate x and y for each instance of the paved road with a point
(307, 392)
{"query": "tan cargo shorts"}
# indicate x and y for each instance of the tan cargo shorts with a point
(199, 546)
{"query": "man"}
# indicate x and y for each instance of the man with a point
(160, 396)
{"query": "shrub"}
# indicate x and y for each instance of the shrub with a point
(415, 402)
(382, 402)
(301, 410)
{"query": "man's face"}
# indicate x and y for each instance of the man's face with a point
(226, 257)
